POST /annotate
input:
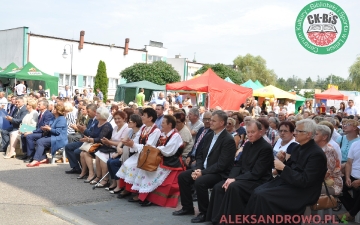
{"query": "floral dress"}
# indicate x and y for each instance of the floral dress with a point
(145, 181)
(145, 136)
(334, 168)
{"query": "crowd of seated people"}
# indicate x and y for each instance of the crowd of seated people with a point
(249, 157)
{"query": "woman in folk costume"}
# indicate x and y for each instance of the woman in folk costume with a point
(147, 135)
(161, 187)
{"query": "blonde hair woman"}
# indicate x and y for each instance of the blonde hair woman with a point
(30, 119)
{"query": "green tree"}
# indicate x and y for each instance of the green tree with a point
(223, 71)
(158, 72)
(309, 84)
(354, 74)
(101, 80)
(320, 83)
(254, 67)
(309, 94)
(343, 84)
(281, 83)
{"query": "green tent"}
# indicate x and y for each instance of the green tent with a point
(257, 82)
(34, 76)
(250, 84)
(9, 68)
(299, 102)
(127, 92)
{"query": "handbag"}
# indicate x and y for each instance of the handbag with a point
(149, 158)
(89, 147)
(325, 201)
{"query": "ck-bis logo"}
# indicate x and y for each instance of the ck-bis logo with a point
(322, 27)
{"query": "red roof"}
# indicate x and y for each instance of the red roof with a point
(221, 93)
(332, 94)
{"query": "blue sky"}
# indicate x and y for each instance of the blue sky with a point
(218, 31)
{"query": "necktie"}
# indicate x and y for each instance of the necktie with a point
(40, 116)
(198, 142)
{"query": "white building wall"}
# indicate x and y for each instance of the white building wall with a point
(179, 65)
(46, 54)
(155, 54)
(11, 46)
(192, 68)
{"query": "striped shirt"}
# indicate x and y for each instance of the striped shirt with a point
(70, 119)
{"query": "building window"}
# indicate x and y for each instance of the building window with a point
(64, 79)
(61, 79)
(150, 57)
(73, 80)
(84, 81)
(113, 82)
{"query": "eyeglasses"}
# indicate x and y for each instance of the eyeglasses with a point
(206, 119)
(300, 131)
(348, 125)
(283, 131)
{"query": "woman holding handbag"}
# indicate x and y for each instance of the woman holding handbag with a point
(108, 148)
(147, 135)
(101, 129)
(161, 186)
(55, 136)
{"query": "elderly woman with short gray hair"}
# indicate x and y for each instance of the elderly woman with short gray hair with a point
(101, 130)
(333, 175)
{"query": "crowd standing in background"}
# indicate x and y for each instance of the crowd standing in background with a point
(258, 160)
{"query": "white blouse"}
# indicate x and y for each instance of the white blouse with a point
(31, 118)
(152, 139)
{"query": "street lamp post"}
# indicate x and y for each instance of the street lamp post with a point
(65, 55)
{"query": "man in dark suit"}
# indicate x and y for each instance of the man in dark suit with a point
(11, 107)
(72, 149)
(29, 138)
(199, 141)
(15, 119)
(190, 161)
(213, 164)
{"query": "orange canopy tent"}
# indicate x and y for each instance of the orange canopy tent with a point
(332, 94)
(220, 92)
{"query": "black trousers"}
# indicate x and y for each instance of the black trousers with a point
(231, 202)
(202, 184)
(352, 204)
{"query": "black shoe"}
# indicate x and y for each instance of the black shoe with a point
(25, 157)
(184, 212)
(199, 218)
(73, 171)
(133, 200)
(194, 197)
(29, 160)
(146, 203)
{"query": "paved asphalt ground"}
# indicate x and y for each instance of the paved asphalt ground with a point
(46, 195)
